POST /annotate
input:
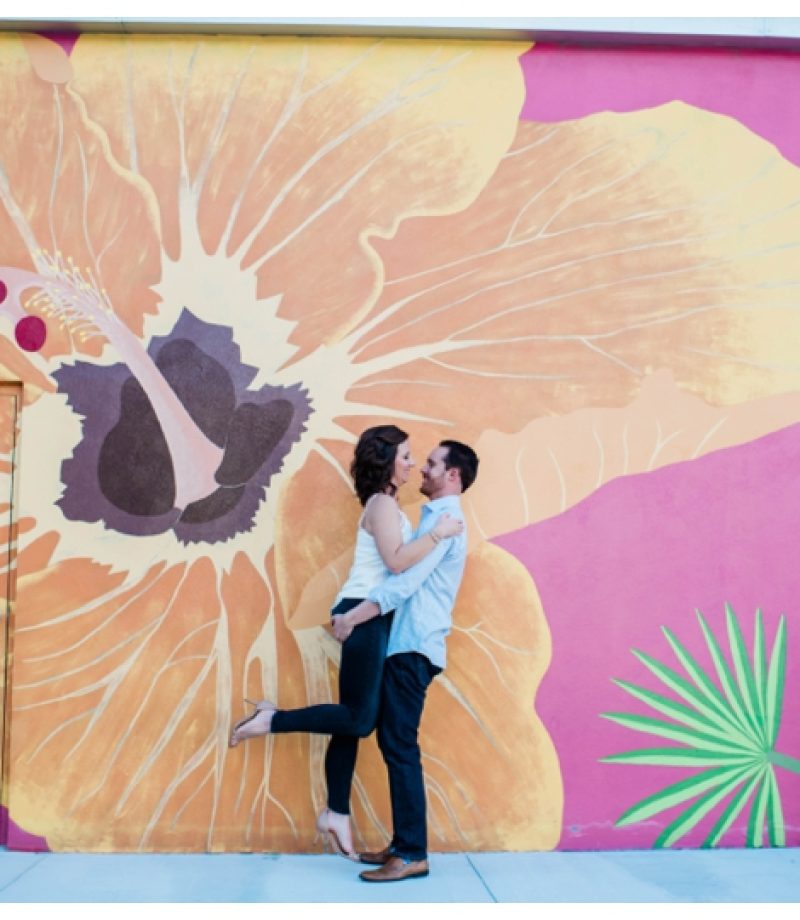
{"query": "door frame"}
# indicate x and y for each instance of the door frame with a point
(8, 577)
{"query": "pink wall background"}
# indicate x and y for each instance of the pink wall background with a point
(643, 552)
(571, 82)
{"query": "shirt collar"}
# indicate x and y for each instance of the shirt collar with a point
(445, 503)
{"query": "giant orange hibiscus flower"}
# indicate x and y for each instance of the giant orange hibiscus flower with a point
(226, 258)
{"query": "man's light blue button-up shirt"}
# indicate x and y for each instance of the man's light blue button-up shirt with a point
(423, 596)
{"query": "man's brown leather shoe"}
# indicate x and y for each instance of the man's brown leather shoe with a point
(376, 859)
(395, 870)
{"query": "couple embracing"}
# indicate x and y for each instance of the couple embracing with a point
(392, 616)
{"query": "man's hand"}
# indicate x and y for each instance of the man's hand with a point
(342, 626)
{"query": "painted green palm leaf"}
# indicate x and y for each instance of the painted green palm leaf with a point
(775, 825)
(729, 686)
(678, 793)
(715, 699)
(733, 810)
(775, 679)
(681, 757)
(682, 714)
(684, 689)
(693, 738)
(695, 813)
(726, 728)
(745, 676)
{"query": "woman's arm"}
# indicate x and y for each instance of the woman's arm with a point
(383, 522)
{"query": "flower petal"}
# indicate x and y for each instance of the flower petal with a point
(554, 463)
(77, 203)
(253, 138)
(598, 252)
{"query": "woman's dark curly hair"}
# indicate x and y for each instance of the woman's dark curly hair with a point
(373, 463)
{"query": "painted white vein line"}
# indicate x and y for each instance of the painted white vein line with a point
(344, 189)
(387, 312)
(191, 798)
(177, 109)
(459, 697)
(528, 147)
(222, 653)
(701, 203)
(85, 209)
(498, 374)
(371, 815)
(188, 768)
(689, 208)
(435, 790)
(387, 107)
(571, 167)
(108, 621)
(393, 102)
(601, 469)
(54, 733)
(476, 629)
(475, 520)
(294, 102)
(166, 733)
(223, 116)
(357, 409)
(15, 212)
(59, 153)
(758, 286)
(492, 661)
(625, 450)
(738, 359)
(267, 632)
(130, 120)
(612, 357)
(90, 607)
(526, 516)
(108, 244)
(560, 475)
(113, 682)
(660, 444)
(708, 435)
(400, 381)
(333, 462)
(542, 302)
(455, 780)
(290, 107)
(132, 637)
(617, 282)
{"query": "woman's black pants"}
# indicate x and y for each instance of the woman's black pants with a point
(356, 713)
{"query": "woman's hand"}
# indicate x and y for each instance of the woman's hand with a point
(341, 625)
(447, 526)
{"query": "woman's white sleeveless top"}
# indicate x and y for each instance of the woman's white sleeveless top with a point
(368, 569)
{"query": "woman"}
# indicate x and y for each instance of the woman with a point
(381, 464)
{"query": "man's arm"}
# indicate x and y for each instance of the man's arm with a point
(390, 593)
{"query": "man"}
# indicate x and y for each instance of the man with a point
(422, 598)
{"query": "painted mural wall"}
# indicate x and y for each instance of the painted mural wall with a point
(222, 258)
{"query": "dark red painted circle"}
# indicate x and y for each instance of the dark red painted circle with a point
(30, 333)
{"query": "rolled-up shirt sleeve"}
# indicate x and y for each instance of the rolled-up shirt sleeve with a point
(396, 588)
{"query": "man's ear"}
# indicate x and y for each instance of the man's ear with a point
(453, 475)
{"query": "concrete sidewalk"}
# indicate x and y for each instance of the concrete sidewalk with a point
(632, 876)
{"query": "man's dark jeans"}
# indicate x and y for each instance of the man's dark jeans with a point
(406, 677)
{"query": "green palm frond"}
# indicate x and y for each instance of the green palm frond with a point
(727, 728)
